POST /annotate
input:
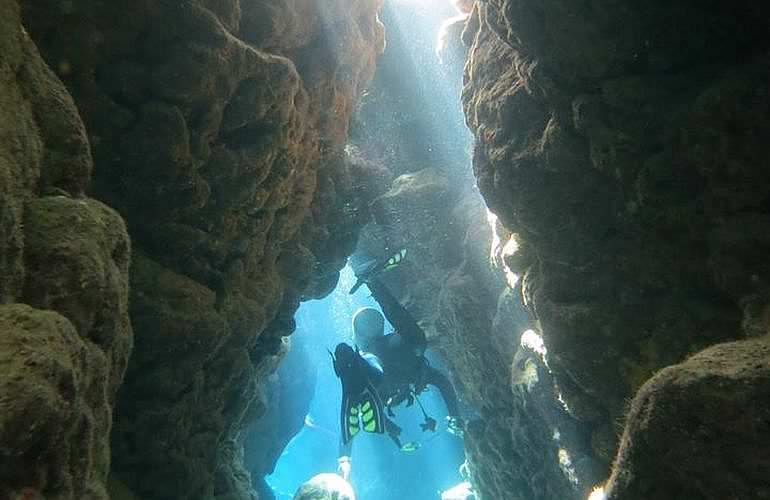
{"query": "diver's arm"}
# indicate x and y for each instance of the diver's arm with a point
(442, 383)
(399, 317)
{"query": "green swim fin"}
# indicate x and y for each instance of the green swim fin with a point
(392, 262)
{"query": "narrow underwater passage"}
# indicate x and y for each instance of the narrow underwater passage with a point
(177, 176)
(380, 471)
(410, 119)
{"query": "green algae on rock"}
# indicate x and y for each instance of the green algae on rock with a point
(77, 255)
(64, 259)
(53, 406)
(705, 418)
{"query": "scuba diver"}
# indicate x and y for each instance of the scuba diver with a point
(362, 408)
(398, 358)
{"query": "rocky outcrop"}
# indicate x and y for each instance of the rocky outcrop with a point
(65, 335)
(214, 126)
(289, 392)
(707, 418)
(622, 145)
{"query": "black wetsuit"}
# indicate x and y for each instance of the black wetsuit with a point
(402, 354)
(366, 372)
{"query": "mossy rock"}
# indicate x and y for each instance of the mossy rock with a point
(700, 429)
(54, 412)
(77, 257)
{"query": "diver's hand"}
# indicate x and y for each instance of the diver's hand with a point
(343, 467)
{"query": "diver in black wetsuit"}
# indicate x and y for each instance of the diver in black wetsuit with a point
(362, 407)
(395, 368)
(407, 372)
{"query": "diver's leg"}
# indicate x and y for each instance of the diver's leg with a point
(394, 431)
(441, 382)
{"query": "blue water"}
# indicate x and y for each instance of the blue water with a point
(380, 471)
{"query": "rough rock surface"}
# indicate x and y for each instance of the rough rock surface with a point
(448, 280)
(706, 418)
(65, 336)
(623, 145)
(289, 392)
(217, 131)
(54, 406)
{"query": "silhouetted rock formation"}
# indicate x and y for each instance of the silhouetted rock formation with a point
(65, 336)
(217, 130)
(622, 144)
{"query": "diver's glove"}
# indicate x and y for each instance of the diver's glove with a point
(428, 425)
(343, 467)
(456, 426)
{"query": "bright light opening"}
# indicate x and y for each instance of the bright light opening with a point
(494, 248)
(533, 341)
(597, 494)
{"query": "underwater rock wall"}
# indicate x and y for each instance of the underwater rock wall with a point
(65, 335)
(624, 146)
(449, 280)
(217, 131)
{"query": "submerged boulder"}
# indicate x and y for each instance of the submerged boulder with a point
(54, 414)
(700, 429)
(325, 487)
